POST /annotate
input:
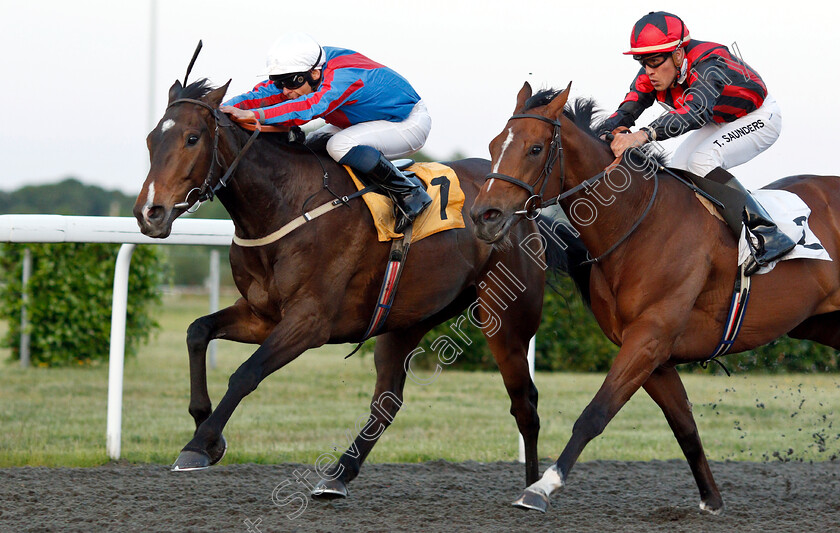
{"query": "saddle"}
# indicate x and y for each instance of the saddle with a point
(445, 211)
(788, 211)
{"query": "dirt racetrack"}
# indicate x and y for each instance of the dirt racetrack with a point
(435, 496)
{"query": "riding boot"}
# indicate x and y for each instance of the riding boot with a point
(741, 207)
(409, 196)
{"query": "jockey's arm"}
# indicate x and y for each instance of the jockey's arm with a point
(624, 141)
(641, 96)
(240, 114)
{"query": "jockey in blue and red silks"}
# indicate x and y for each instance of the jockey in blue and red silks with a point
(722, 101)
(372, 113)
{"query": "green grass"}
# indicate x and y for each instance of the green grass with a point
(57, 417)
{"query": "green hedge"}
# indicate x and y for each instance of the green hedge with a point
(70, 293)
(569, 339)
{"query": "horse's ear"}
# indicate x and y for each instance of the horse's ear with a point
(215, 97)
(524, 93)
(174, 91)
(555, 107)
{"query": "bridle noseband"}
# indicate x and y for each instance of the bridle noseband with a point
(555, 153)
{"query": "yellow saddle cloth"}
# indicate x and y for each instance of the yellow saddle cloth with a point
(445, 211)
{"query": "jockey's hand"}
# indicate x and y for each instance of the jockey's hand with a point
(623, 141)
(241, 114)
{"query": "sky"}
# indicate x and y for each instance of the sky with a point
(83, 85)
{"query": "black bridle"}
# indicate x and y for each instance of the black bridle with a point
(555, 153)
(534, 203)
(208, 189)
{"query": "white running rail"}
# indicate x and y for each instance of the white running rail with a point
(117, 230)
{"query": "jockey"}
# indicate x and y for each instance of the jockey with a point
(722, 101)
(372, 113)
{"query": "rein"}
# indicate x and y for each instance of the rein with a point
(534, 204)
(207, 190)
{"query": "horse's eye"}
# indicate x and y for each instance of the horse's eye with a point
(192, 139)
(536, 149)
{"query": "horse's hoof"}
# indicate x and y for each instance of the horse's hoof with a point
(189, 460)
(218, 451)
(330, 489)
(532, 500)
(715, 509)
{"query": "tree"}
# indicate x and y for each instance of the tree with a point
(69, 304)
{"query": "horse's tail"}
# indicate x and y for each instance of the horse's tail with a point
(565, 253)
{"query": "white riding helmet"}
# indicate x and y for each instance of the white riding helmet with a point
(294, 52)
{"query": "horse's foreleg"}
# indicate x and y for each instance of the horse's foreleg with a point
(511, 354)
(643, 351)
(666, 388)
(517, 324)
(235, 323)
(297, 332)
(390, 354)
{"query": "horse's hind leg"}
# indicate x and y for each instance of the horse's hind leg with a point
(390, 354)
(234, 323)
(666, 388)
(824, 329)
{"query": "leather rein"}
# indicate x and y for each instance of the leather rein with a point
(534, 204)
(208, 190)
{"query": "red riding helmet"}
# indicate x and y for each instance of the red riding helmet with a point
(658, 32)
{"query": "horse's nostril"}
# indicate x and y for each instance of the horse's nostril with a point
(491, 214)
(155, 213)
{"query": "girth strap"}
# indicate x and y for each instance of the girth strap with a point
(396, 261)
(393, 272)
(734, 319)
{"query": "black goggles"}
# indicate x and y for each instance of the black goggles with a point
(289, 81)
(652, 60)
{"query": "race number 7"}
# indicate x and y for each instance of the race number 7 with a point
(443, 183)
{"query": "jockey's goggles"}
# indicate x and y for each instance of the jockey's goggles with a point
(652, 60)
(289, 81)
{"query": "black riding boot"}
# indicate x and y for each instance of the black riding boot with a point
(740, 207)
(409, 196)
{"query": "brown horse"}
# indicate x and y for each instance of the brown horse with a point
(664, 271)
(319, 284)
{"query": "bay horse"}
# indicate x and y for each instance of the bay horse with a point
(663, 273)
(319, 284)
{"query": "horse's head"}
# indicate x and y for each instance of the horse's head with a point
(183, 149)
(524, 156)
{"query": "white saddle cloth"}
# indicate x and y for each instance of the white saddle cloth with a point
(790, 214)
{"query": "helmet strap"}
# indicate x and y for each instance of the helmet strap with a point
(682, 67)
(312, 81)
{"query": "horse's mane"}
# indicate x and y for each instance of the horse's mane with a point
(196, 90)
(585, 114)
